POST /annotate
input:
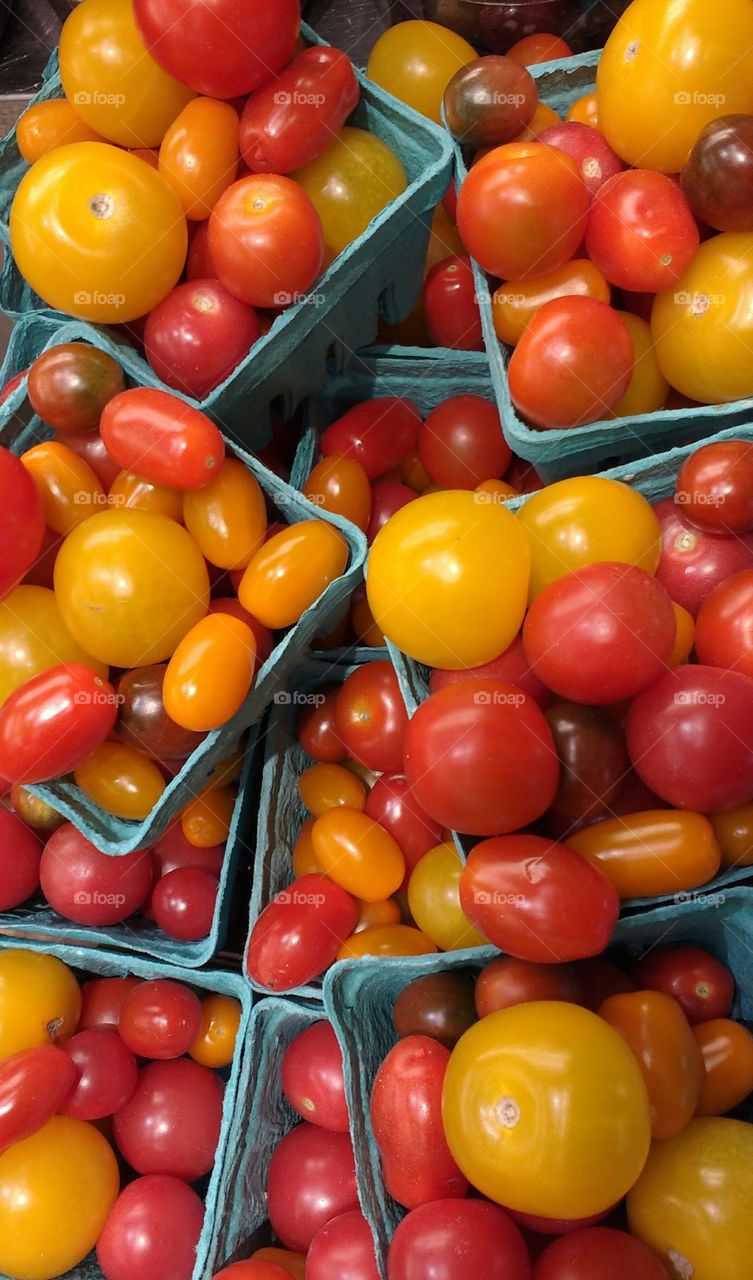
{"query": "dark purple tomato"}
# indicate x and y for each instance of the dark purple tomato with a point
(718, 174)
(197, 335)
(489, 101)
(70, 384)
(312, 1179)
(438, 1005)
(152, 1231)
(142, 719)
(313, 1080)
(171, 1125)
(593, 761)
(108, 1074)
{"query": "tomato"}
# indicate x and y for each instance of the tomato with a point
(223, 50)
(97, 233)
(311, 1180)
(489, 101)
(53, 721)
(452, 314)
(458, 1240)
(657, 852)
(648, 388)
(343, 1248)
(377, 434)
(106, 1073)
(585, 110)
(671, 66)
(438, 1005)
(727, 1053)
(69, 488)
(70, 384)
(593, 762)
(162, 439)
(90, 446)
(349, 184)
(506, 982)
(206, 819)
(689, 1203)
(538, 901)
(734, 832)
(544, 117)
(312, 1078)
(143, 721)
(330, 786)
(129, 490)
(290, 1263)
(89, 887)
(576, 522)
(102, 1000)
(265, 240)
(34, 1084)
(292, 118)
(690, 738)
(50, 124)
(33, 812)
(515, 303)
(171, 1125)
(199, 154)
(600, 1253)
(121, 780)
(291, 571)
(479, 758)
(184, 903)
(415, 61)
(695, 561)
(526, 1074)
(387, 497)
(447, 579)
(641, 232)
(596, 161)
(714, 487)
(461, 443)
(172, 851)
(512, 667)
(160, 1019)
(722, 637)
(214, 1045)
(34, 638)
(717, 175)
(340, 485)
(370, 717)
(210, 673)
(40, 1001)
(154, 1226)
(297, 936)
(197, 335)
(701, 985)
(434, 900)
(20, 853)
(56, 1188)
(386, 940)
(539, 47)
(316, 728)
(358, 854)
(522, 210)
(393, 805)
(227, 517)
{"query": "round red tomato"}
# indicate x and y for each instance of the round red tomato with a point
(700, 984)
(197, 335)
(458, 1240)
(184, 902)
(715, 487)
(161, 438)
(596, 160)
(507, 981)
(387, 497)
(152, 1230)
(171, 1125)
(160, 1019)
(89, 887)
(641, 233)
(452, 313)
(393, 805)
(299, 934)
(377, 433)
(53, 722)
(479, 758)
(102, 1000)
(23, 521)
(312, 1078)
(20, 853)
(724, 627)
(693, 560)
(316, 728)
(512, 667)
(311, 1179)
(461, 443)
(599, 1253)
(107, 1073)
(343, 1249)
(370, 717)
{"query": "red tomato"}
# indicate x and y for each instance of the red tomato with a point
(90, 446)
(299, 934)
(541, 46)
(265, 240)
(162, 439)
(102, 1000)
(377, 433)
(512, 667)
(724, 628)
(600, 634)
(160, 1019)
(599, 1253)
(90, 887)
(595, 159)
(294, 117)
(220, 49)
(316, 728)
(601, 979)
(370, 717)
(152, 1230)
(572, 365)
(20, 853)
(107, 1074)
(458, 1240)
(311, 1179)
(479, 758)
(393, 805)
(312, 1078)
(452, 314)
(555, 1226)
(700, 984)
(34, 1084)
(715, 487)
(343, 1249)
(53, 722)
(387, 497)
(522, 210)
(461, 443)
(690, 738)
(641, 233)
(197, 335)
(694, 561)
(184, 903)
(172, 1123)
(507, 981)
(199, 265)
(406, 1117)
(22, 531)
(172, 851)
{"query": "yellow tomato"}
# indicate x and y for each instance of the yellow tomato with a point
(227, 518)
(447, 578)
(50, 124)
(585, 110)
(648, 388)
(110, 79)
(97, 233)
(33, 638)
(667, 70)
(703, 328)
(543, 118)
(684, 636)
(545, 1110)
(130, 585)
(121, 780)
(691, 1204)
(56, 1190)
(70, 490)
(416, 61)
(210, 673)
(517, 301)
(577, 522)
(434, 900)
(206, 821)
(40, 1001)
(654, 852)
(130, 490)
(305, 861)
(199, 154)
(329, 786)
(214, 1046)
(291, 571)
(386, 940)
(350, 183)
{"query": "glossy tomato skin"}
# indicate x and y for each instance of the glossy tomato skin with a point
(537, 900)
(316, 729)
(377, 433)
(349, 184)
(20, 853)
(370, 717)
(512, 667)
(653, 852)
(718, 176)
(438, 1005)
(506, 982)
(293, 118)
(312, 1078)
(34, 1084)
(461, 443)
(724, 630)
(311, 1180)
(406, 1117)
(102, 1000)
(160, 1019)
(90, 887)
(693, 560)
(702, 986)
(297, 936)
(142, 719)
(53, 722)
(197, 335)
(416, 63)
(161, 438)
(153, 1227)
(23, 523)
(599, 1252)
(715, 487)
(727, 1052)
(387, 497)
(291, 571)
(516, 302)
(489, 102)
(593, 761)
(343, 1249)
(392, 804)
(184, 902)
(690, 737)
(452, 313)
(458, 1240)
(198, 155)
(479, 758)
(171, 1125)
(596, 160)
(222, 50)
(641, 232)
(70, 384)
(107, 1073)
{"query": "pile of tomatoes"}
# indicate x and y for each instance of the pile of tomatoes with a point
(111, 1074)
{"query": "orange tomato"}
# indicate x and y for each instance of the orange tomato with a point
(293, 1263)
(413, 473)
(658, 851)
(210, 673)
(341, 486)
(70, 490)
(543, 118)
(727, 1054)
(227, 771)
(40, 1001)
(47, 125)
(291, 571)
(362, 621)
(305, 861)
(198, 156)
(734, 831)
(684, 637)
(540, 47)
(130, 490)
(214, 1046)
(227, 518)
(517, 301)
(585, 110)
(498, 490)
(358, 854)
(374, 914)
(206, 820)
(386, 940)
(329, 786)
(120, 780)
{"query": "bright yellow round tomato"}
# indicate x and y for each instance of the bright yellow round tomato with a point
(291, 571)
(434, 900)
(97, 233)
(447, 579)
(227, 518)
(56, 1190)
(121, 780)
(210, 673)
(648, 388)
(329, 786)
(130, 490)
(70, 490)
(585, 519)
(703, 328)
(350, 183)
(545, 1110)
(33, 638)
(110, 79)
(358, 854)
(667, 70)
(416, 61)
(40, 1001)
(214, 1046)
(199, 154)
(130, 585)
(691, 1204)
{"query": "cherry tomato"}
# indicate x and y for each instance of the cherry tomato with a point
(374, 914)
(593, 763)
(596, 161)
(311, 1180)
(33, 638)
(129, 490)
(386, 940)
(154, 1227)
(452, 313)
(357, 854)
(197, 334)
(349, 184)
(695, 561)
(515, 303)
(656, 852)
(33, 812)
(392, 804)
(297, 936)
(600, 1253)
(434, 900)
(512, 667)
(507, 982)
(438, 1005)
(722, 637)
(415, 61)
(199, 154)
(377, 434)
(340, 485)
(370, 717)
(585, 110)
(210, 673)
(312, 1078)
(102, 1000)
(50, 124)
(714, 487)
(330, 786)
(20, 853)
(264, 1269)
(161, 438)
(717, 175)
(291, 571)
(701, 985)
(184, 903)
(106, 1070)
(540, 46)
(206, 820)
(90, 446)
(121, 780)
(316, 728)
(172, 1123)
(53, 722)
(734, 832)
(727, 1053)
(227, 517)
(69, 488)
(70, 384)
(343, 1248)
(641, 232)
(457, 1240)
(40, 1001)
(600, 979)
(143, 721)
(89, 887)
(489, 101)
(160, 1019)
(216, 1038)
(34, 1084)
(584, 1086)
(647, 389)
(461, 443)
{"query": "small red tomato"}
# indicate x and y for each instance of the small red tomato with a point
(512, 667)
(162, 439)
(160, 1019)
(22, 530)
(641, 233)
(724, 627)
(393, 805)
(89, 887)
(107, 1073)
(34, 1084)
(311, 1179)
(701, 984)
(377, 433)
(595, 159)
(452, 312)
(171, 1125)
(102, 1000)
(299, 934)
(507, 981)
(694, 560)
(20, 854)
(152, 1230)
(196, 336)
(387, 497)
(715, 487)
(343, 1249)
(184, 902)
(313, 1080)
(461, 443)
(316, 728)
(370, 717)
(53, 722)
(458, 1240)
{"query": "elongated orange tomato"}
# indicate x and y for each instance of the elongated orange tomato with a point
(69, 489)
(727, 1053)
(330, 786)
(50, 124)
(206, 820)
(198, 156)
(341, 486)
(121, 780)
(210, 673)
(517, 301)
(291, 571)
(130, 490)
(227, 518)
(358, 854)
(658, 851)
(386, 940)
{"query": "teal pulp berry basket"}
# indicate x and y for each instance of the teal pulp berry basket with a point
(19, 430)
(224, 1217)
(359, 997)
(380, 272)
